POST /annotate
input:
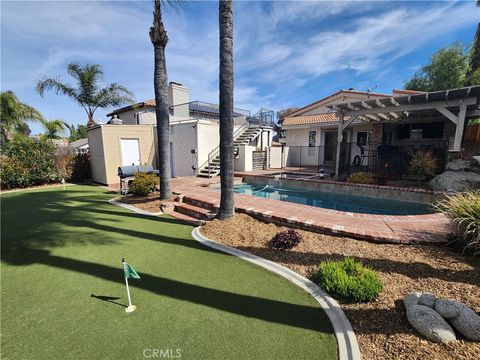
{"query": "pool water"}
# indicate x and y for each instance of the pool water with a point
(335, 201)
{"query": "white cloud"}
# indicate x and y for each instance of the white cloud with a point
(279, 46)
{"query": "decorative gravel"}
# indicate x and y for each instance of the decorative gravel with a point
(381, 326)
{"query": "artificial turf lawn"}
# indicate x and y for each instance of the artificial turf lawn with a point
(60, 247)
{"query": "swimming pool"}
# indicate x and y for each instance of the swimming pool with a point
(335, 201)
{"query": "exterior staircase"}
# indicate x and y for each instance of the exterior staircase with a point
(242, 136)
(195, 211)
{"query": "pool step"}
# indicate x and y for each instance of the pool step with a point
(195, 212)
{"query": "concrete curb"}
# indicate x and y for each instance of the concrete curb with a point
(133, 208)
(346, 340)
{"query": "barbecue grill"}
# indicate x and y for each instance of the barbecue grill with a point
(127, 173)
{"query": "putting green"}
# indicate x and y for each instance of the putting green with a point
(63, 292)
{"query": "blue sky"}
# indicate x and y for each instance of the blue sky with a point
(286, 53)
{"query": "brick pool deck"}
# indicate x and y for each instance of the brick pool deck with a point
(411, 229)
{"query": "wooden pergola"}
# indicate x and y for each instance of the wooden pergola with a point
(456, 105)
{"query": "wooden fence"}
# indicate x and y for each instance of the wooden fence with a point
(472, 134)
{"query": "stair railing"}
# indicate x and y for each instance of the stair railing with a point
(215, 152)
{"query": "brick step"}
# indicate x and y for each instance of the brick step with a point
(200, 204)
(187, 219)
(194, 211)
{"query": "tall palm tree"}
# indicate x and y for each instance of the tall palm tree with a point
(14, 114)
(87, 92)
(227, 205)
(159, 38)
(475, 54)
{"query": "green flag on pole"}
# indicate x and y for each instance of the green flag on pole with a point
(129, 271)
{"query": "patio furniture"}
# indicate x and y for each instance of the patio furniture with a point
(127, 173)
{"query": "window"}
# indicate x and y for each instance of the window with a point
(362, 138)
(312, 138)
(433, 130)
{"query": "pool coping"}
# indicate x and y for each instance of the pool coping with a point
(347, 343)
(431, 216)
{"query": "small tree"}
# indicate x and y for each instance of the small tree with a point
(53, 128)
(87, 92)
(447, 69)
(77, 133)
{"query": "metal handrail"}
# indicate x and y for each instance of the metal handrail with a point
(215, 152)
(202, 106)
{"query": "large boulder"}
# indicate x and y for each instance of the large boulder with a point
(427, 299)
(456, 181)
(464, 319)
(412, 299)
(457, 165)
(430, 324)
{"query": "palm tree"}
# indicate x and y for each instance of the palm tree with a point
(159, 38)
(53, 128)
(227, 206)
(475, 54)
(87, 93)
(14, 114)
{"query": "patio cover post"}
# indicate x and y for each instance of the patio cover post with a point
(457, 143)
(339, 144)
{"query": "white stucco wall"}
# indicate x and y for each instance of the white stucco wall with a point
(245, 158)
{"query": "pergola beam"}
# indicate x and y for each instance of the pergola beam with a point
(339, 144)
(407, 107)
(457, 143)
(449, 115)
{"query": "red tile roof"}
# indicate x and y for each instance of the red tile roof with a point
(331, 117)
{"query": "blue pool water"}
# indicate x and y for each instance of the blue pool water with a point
(335, 201)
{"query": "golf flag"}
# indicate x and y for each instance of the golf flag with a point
(129, 271)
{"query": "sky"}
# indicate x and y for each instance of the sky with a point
(285, 53)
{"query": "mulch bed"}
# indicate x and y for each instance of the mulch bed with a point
(381, 327)
(149, 203)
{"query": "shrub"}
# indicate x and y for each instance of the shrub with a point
(285, 240)
(360, 178)
(349, 279)
(27, 162)
(422, 164)
(78, 167)
(463, 210)
(143, 184)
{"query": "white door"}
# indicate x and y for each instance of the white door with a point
(130, 152)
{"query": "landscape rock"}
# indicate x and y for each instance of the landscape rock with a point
(427, 299)
(457, 165)
(477, 158)
(411, 299)
(464, 319)
(456, 181)
(430, 324)
(447, 308)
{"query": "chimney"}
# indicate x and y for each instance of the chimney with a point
(177, 95)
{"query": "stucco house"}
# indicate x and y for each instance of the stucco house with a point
(352, 130)
(130, 138)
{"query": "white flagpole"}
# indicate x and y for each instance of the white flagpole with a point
(128, 293)
(130, 308)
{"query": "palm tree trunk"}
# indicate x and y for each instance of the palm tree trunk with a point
(227, 206)
(159, 38)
